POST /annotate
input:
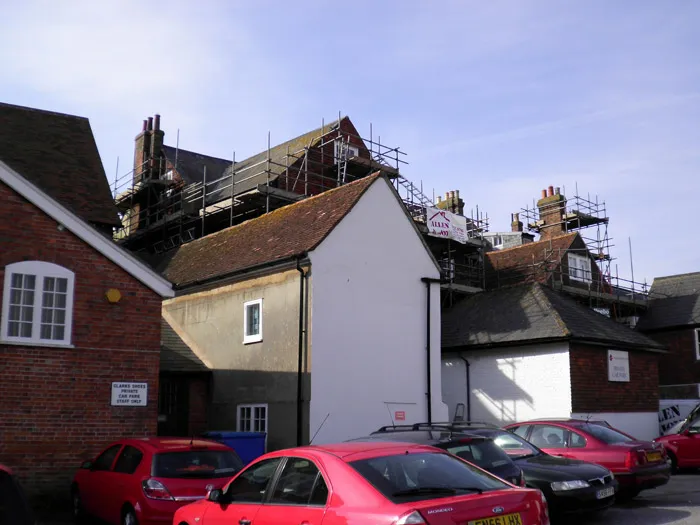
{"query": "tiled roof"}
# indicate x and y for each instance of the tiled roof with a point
(529, 313)
(57, 153)
(675, 302)
(191, 165)
(282, 234)
(518, 265)
(175, 355)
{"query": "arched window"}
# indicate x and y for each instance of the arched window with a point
(37, 303)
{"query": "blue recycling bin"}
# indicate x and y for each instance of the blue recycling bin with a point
(248, 445)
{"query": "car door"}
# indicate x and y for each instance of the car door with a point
(94, 493)
(299, 496)
(551, 439)
(122, 482)
(243, 496)
(689, 445)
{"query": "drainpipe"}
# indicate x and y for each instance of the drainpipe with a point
(300, 363)
(469, 389)
(428, 282)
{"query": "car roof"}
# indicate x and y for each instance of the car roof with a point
(357, 450)
(563, 421)
(424, 436)
(5, 469)
(174, 444)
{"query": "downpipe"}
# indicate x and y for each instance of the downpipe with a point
(300, 356)
(429, 394)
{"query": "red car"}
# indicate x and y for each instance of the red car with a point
(388, 483)
(144, 481)
(683, 446)
(637, 465)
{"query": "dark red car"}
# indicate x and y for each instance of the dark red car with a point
(144, 481)
(382, 483)
(683, 445)
(14, 508)
(637, 465)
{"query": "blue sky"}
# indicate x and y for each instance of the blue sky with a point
(497, 99)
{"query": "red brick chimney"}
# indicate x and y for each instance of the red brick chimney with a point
(516, 224)
(552, 207)
(147, 150)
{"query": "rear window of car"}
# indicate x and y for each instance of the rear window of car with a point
(483, 452)
(605, 434)
(196, 464)
(421, 476)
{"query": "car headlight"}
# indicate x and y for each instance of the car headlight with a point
(612, 475)
(569, 485)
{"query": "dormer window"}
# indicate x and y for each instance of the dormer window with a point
(37, 304)
(580, 268)
(344, 151)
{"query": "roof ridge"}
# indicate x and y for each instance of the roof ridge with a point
(179, 149)
(538, 290)
(39, 110)
(675, 276)
(286, 208)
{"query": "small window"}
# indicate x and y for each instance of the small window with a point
(129, 460)
(497, 241)
(545, 436)
(300, 483)
(521, 430)
(576, 440)
(697, 343)
(344, 151)
(252, 418)
(252, 484)
(580, 268)
(105, 460)
(252, 321)
(37, 306)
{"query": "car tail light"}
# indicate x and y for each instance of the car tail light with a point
(154, 489)
(631, 459)
(411, 518)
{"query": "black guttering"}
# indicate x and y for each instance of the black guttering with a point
(469, 388)
(300, 376)
(428, 285)
(659, 349)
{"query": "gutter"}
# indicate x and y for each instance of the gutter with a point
(303, 276)
(469, 388)
(428, 282)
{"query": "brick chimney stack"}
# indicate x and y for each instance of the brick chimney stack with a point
(516, 224)
(452, 203)
(147, 150)
(552, 207)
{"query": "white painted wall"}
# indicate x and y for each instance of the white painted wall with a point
(368, 309)
(509, 385)
(641, 425)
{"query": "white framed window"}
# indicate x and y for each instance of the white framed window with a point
(697, 344)
(37, 304)
(252, 321)
(580, 268)
(497, 241)
(252, 418)
(343, 150)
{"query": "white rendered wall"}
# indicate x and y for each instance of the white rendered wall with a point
(368, 311)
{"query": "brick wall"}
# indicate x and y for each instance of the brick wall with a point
(680, 365)
(592, 392)
(55, 402)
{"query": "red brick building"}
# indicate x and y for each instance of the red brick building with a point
(78, 314)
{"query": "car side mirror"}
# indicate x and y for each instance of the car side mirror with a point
(86, 465)
(215, 496)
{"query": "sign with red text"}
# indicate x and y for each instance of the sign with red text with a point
(445, 224)
(400, 415)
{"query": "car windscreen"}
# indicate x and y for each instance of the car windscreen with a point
(514, 445)
(605, 434)
(420, 476)
(196, 464)
(482, 452)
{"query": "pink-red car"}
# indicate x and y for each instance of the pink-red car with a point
(637, 465)
(144, 481)
(382, 483)
(683, 444)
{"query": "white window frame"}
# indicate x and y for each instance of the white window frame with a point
(580, 268)
(40, 270)
(253, 407)
(497, 241)
(341, 147)
(697, 344)
(252, 338)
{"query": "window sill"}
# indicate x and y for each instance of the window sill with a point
(252, 340)
(36, 343)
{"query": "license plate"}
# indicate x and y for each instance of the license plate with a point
(605, 493)
(653, 456)
(506, 519)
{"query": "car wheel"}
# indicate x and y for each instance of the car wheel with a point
(129, 517)
(672, 462)
(78, 512)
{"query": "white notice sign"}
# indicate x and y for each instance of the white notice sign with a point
(130, 394)
(618, 366)
(445, 224)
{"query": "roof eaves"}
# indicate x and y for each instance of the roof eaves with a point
(85, 232)
(652, 347)
(503, 344)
